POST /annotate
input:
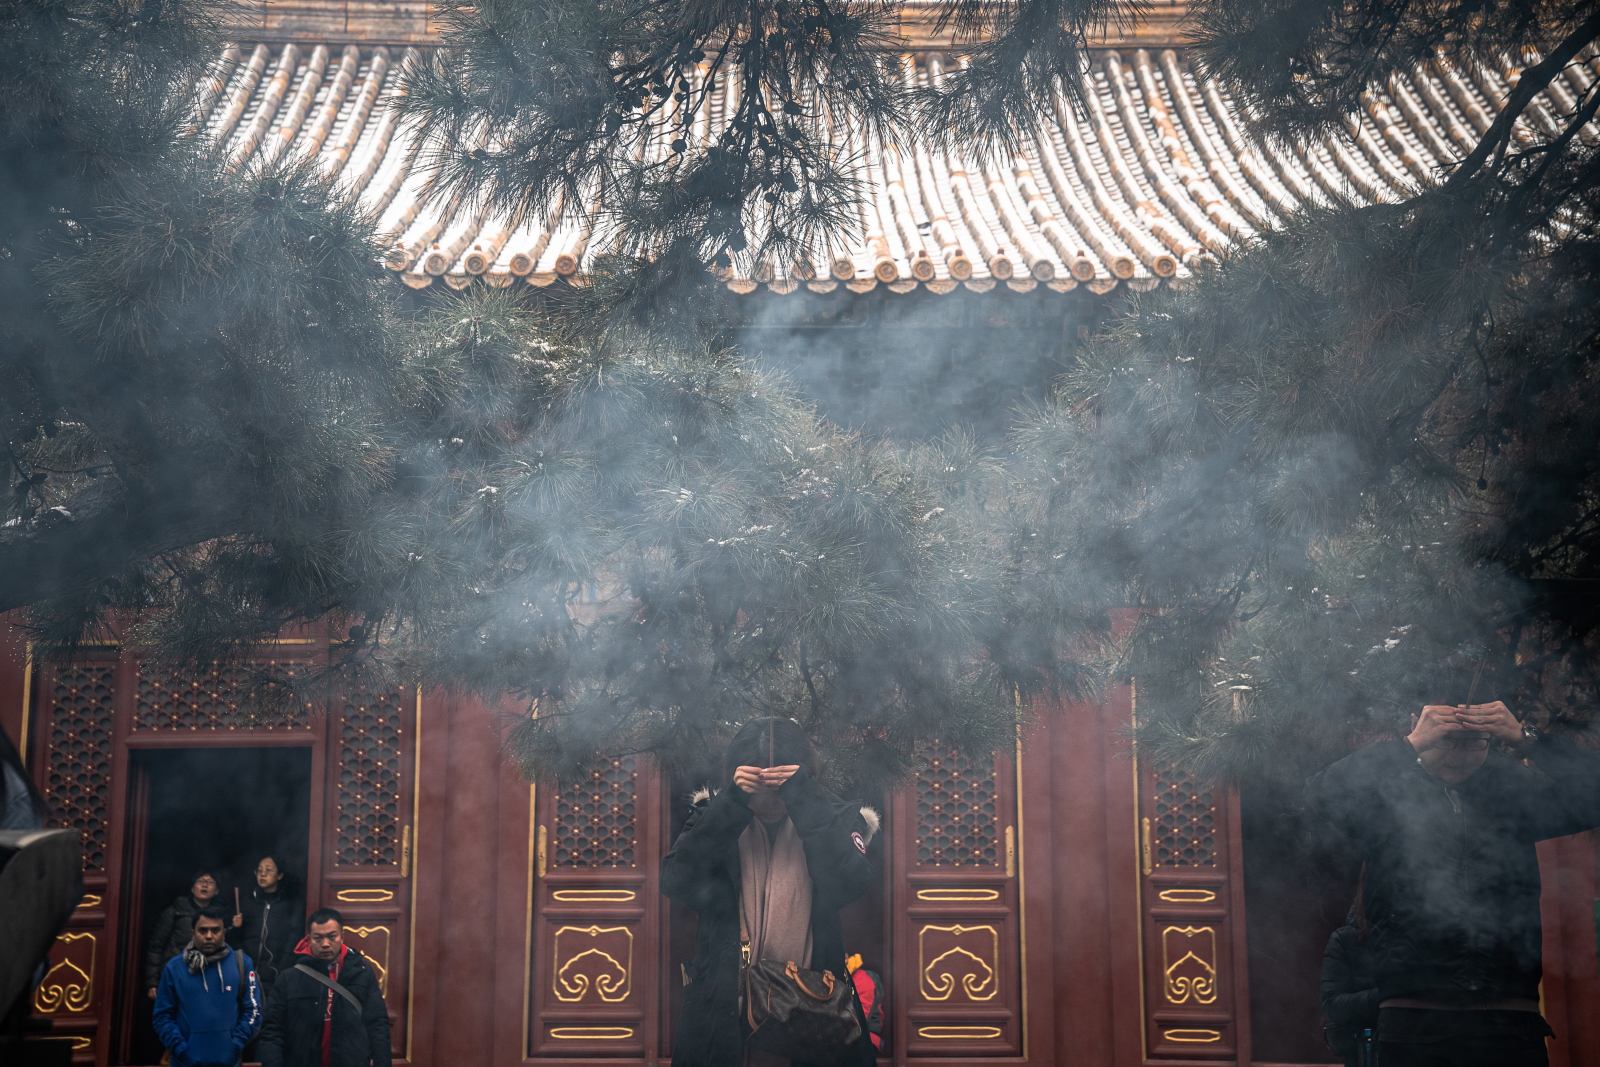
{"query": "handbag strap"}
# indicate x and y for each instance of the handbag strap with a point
(331, 984)
(744, 935)
(745, 966)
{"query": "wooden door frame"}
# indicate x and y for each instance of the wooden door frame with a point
(130, 906)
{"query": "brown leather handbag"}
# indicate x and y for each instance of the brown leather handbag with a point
(798, 1013)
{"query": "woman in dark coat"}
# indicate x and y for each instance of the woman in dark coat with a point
(271, 920)
(1350, 990)
(175, 927)
(774, 837)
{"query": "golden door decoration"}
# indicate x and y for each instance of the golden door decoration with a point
(593, 948)
(369, 844)
(74, 709)
(1186, 927)
(68, 986)
(955, 975)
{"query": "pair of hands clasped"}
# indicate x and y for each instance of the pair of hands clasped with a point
(1451, 726)
(755, 780)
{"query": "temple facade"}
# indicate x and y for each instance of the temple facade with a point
(1060, 901)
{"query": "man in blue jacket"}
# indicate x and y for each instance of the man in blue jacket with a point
(208, 1005)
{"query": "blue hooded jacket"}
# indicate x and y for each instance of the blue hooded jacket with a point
(199, 1017)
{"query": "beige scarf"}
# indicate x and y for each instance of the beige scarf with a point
(775, 893)
(775, 904)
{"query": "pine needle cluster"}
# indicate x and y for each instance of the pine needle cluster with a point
(601, 108)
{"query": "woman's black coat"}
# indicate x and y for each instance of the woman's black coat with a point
(702, 873)
(273, 924)
(174, 930)
(1350, 994)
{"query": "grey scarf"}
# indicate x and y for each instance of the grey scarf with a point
(775, 893)
(198, 960)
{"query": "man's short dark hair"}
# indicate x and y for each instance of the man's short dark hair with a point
(323, 915)
(211, 911)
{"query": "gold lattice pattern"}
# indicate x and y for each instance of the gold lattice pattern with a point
(957, 822)
(1185, 818)
(369, 780)
(174, 700)
(595, 817)
(79, 783)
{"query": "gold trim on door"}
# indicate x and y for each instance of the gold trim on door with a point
(957, 896)
(591, 1033)
(593, 896)
(363, 896)
(959, 1033)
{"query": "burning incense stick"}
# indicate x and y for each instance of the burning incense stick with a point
(1472, 690)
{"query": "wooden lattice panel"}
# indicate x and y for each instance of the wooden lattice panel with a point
(369, 780)
(175, 700)
(595, 818)
(957, 822)
(1184, 823)
(78, 786)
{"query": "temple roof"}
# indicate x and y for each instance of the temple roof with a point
(1155, 179)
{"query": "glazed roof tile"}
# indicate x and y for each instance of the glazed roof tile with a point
(1153, 178)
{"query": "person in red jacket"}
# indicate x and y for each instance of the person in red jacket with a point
(326, 1010)
(869, 990)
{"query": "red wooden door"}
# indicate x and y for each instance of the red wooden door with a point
(368, 840)
(956, 982)
(1188, 929)
(595, 975)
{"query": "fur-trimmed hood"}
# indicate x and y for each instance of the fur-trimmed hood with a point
(869, 814)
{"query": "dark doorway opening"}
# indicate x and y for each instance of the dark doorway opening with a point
(214, 809)
(1298, 887)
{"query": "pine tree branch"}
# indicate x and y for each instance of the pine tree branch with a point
(1553, 151)
(1531, 84)
(97, 532)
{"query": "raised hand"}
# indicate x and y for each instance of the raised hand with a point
(763, 779)
(1494, 719)
(1439, 726)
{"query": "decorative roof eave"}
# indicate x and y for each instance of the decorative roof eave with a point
(411, 22)
(1154, 179)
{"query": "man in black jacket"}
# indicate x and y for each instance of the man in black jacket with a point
(1452, 887)
(326, 1010)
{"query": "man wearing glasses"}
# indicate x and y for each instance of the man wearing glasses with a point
(1447, 818)
(327, 1009)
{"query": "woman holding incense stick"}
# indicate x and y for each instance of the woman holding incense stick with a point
(268, 920)
(766, 862)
